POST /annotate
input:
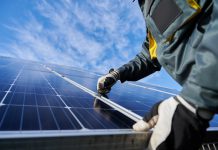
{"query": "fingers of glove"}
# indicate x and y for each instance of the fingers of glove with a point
(100, 83)
(109, 82)
(145, 126)
(141, 125)
(105, 83)
(104, 91)
(153, 112)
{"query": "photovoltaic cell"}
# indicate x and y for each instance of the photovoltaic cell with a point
(4, 87)
(11, 118)
(2, 94)
(30, 122)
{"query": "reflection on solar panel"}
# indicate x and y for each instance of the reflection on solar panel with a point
(135, 96)
(38, 100)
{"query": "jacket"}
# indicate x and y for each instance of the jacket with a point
(182, 38)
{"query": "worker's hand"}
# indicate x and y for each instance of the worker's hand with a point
(107, 81)
(176, 125)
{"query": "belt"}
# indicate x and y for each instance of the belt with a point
(201, 112)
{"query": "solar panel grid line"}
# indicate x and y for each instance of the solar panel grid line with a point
(21, 119)
(173, 94)
(120, 120)
(66, 106)
(18, 105)
(86, 121)
(12, 84)
(8, 123)
(6, 111)
(117, 107)
(56, 123)
(22, 114)
(24, 91)
(3, 116)
(33, 124)
(103, 114)
(69, 119)
(86, 109)
(113, 124)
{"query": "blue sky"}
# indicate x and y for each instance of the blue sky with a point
(95, 35)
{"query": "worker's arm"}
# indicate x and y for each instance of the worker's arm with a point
(140, 67)
(136, 69)
(201, 88)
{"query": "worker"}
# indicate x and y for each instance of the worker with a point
(181, 37)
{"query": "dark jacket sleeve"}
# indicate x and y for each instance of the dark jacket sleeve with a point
(201, 88)
(139, 67)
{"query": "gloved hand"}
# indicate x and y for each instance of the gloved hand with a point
(105, 82)
(177, 125)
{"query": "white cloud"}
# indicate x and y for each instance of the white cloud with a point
(93, 35)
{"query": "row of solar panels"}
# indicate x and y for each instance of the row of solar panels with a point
(49, 100)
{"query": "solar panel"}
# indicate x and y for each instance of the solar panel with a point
(39, 100)
(135, 96)
(37, 97)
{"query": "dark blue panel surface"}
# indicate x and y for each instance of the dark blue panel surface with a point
(41, 100)
(18, 99)
(30, 119)
(132, 97)
(104, 119)
(64, 120)
(54, 101)
(2, 113)
(30, 99)
(2, 94)
(4, 87)
(37, 99)
(11, 119)
(47, 119)
(79, 102)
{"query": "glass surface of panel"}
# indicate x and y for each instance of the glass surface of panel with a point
(138, 99)
(33, 98)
